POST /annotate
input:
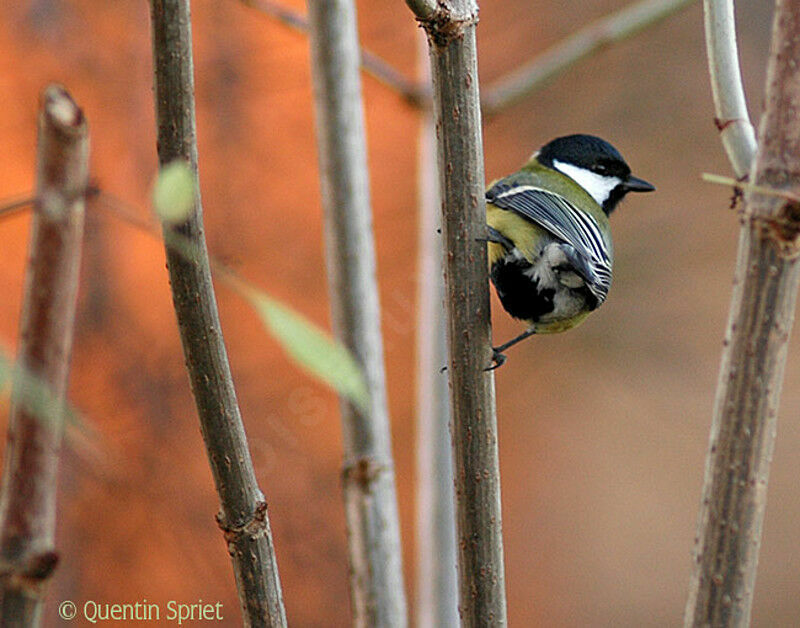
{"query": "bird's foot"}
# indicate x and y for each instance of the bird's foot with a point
(498, 359)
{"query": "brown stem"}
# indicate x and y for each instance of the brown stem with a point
(751, 375)
(30, 476)
(243, 513)
(451, 36)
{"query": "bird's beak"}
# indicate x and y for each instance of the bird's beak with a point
(635, 184)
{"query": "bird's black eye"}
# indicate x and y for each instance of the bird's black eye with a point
(600, 169)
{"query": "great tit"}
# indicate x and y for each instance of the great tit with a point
(550, 250)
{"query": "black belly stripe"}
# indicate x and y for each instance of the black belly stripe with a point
(521, 296)
(518, 293)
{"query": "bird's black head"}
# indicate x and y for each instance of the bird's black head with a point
(595, 165)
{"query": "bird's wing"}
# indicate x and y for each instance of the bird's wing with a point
(557, 215)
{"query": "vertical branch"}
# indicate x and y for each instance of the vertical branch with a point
(736, 131)
(751, 374)
(451, 35)
(436, 588)
(30, 476)
(369, 488)
(243, 513)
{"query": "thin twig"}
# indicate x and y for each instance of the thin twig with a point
(606, 31)
(243, 514)
(10, 207)
(730, 108)
(30, 476)
(744, 186)
(415, 94)
(453, 55)
(520, 82)
(376, 573)
(754, 355)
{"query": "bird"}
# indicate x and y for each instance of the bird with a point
(549, 241)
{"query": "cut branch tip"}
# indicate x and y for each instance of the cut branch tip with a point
(61, 108)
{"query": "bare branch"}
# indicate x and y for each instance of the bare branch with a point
(371, 63)
(451, 37)
(243, 514)
(30, 475)
(754, 355)
(606, 31)
(369, 487)
(731, 117)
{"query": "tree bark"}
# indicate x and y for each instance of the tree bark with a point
(376, 571)
(243, 513)
(451, 35)
(30, 476)
(754, 355)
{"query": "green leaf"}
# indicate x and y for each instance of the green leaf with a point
(174, 192)
(312, 348)
(33, 394)
(5, 372)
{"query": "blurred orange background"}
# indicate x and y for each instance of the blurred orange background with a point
(603, 430)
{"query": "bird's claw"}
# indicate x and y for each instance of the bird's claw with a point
(498, 359)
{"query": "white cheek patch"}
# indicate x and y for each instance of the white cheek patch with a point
(597, 185)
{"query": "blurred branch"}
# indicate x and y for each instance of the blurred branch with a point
(376, 573)
(754, 355)
(606, 31)
(30, 476)
(10, 207)
(436, 586)
(731, 117)
(414, 93)
(309, 346)
(453, 57)
(243, 514)
(521, 82)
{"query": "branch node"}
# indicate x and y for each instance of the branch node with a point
(723, 123)
(443, 26)
(29, 573)
(254, 525)
(41, 565)
(363, 472)
(784, 229)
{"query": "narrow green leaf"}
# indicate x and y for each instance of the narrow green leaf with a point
(5, 372)
(174, 192)
(35, 396)
(311, 348)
